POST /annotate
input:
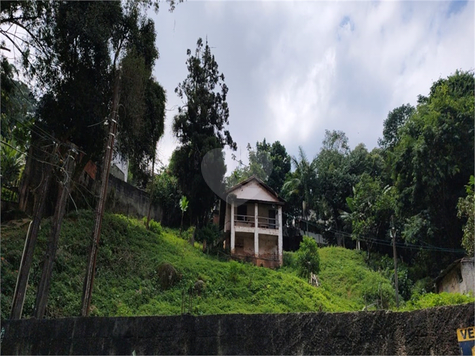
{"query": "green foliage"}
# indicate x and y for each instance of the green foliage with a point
(345, 272)
(166, 193)
(299, 184)
(12, 163)
(184, 204)
(385, 265)
(371, 206)
(188, 234)
(153, 226)
(466, 209)
(209, 233)
(430, 300)
(422, 286)
(307, 258)
(17, 108)
(431, 162)
(395, 120)
(289, 260)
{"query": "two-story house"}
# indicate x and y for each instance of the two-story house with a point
(253, 223)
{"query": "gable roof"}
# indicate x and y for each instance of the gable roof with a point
(452, 266)
(251, 179)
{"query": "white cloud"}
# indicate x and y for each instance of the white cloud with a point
(295, 69)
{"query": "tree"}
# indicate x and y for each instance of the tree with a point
(431, 163)
(270, 163)
(395, 120)
(466, 209)
(281, 164)
(371, 207)
(334, 183)
(260, 165)
(200, 129)
(17, 108)
(166, 193)
(308, 259)
(303, 180)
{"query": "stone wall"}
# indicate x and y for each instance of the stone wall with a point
(425, 332)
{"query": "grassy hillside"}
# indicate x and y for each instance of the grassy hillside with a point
(134, 265)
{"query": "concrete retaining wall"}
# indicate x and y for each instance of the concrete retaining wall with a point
(426, 332)
(126, 199)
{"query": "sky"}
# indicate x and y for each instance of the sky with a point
(297, 68)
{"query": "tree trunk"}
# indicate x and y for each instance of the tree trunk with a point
(30, 243)
(43, 288)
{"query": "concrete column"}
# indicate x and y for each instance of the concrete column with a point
(233, 237)
(256, 233)
(280, 239)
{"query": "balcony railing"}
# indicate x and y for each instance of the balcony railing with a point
(262, 221)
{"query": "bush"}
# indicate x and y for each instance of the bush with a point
(153, 226)
(308, 260)
(208, 233)
(289, 259)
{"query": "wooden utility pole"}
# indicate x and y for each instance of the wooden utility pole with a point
(30, 242)
(91, 265)
(151, 191)
(393, 235)
(50, 255)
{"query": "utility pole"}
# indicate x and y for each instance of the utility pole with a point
(151, 191)
(393, 235)
(30, 241)
(91, 266)
(50, 255)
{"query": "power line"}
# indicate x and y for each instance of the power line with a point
(405, 244)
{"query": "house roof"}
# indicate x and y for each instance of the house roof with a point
(451, 267)
(253, 178)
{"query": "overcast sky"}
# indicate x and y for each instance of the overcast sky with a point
(295, 69)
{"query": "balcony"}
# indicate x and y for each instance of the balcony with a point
(247, 223)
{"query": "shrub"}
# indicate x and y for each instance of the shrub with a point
(153, 226)
(208, 233)
(188, 234)
(289, 259)
(308, 260)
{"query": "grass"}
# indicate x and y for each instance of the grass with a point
(127, 280)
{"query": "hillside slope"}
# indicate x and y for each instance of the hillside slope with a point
(134, 275)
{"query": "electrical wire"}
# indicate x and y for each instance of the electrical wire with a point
(405, 244)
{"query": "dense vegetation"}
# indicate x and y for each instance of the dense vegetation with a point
(152, 272)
